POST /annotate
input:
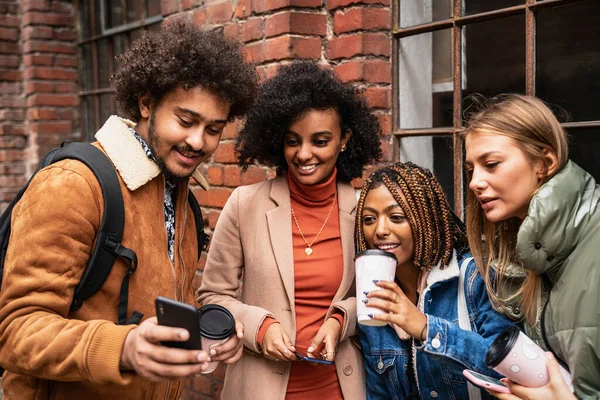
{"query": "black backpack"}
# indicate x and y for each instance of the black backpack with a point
(108, 244)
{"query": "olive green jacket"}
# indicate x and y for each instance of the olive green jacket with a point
(560, 239)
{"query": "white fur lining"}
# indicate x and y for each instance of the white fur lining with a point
(450, 271)
(134, 166)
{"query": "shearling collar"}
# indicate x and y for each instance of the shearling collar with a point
(129, 158)
(452, 270)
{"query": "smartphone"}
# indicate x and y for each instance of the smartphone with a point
(179, 315)
(313, 360)
(486, 382)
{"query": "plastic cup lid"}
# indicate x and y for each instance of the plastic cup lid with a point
(501, 346)
(375, 252)
(216, 322)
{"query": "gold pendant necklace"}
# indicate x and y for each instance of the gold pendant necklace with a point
(308, 250)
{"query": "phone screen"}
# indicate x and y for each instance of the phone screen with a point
(313, 360)
(486, 378)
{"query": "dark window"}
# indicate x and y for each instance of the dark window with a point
(445, 50)
(106, 28)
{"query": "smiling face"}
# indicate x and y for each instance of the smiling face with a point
(503, 177)
(183, 129)
(386, 226)
(312, 145)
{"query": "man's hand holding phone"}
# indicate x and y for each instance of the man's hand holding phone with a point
(144, 352)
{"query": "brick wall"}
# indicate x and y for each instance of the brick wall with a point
(38, 82)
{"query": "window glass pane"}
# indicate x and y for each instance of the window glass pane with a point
(135, 10)
(104, 61)
(425, 80)
(114, 13)
(85, 29)
(97, 19)
(495, 57)
(479, 6)
(411, 12)
(106, 107)
(584, 150)
(435, 153)
(567, 58)
(87, 70)
(87, 118)
(153, 8)
(120, 44)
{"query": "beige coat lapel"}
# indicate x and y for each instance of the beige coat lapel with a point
(280, 231)
(347, 207)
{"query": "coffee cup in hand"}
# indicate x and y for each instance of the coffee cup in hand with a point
(372, 265)
(216, 327)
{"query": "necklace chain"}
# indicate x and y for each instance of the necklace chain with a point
(308, 249)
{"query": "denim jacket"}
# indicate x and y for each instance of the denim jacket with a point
(437, 371)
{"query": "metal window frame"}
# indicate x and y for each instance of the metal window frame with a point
(457, 23)
(93, 40)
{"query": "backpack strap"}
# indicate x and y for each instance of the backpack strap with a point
(108, 241)
(203, 238)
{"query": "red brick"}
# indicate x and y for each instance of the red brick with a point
(251, 29)
(53, 100)
(231, 130)
(52, 19)
(9, 48)
(215, 197)
(50, 127)
(12, 169)
(261, 6)
(243, 9)
(11, 155)
(253, 175)
(41, 114)
(10, 75)
(37, 32)
(66, 61)
(39, 5)
(12, 142)
(50, 87)
(285, 47)
(297, 23)
(375, 71)
(12, 114)
(10, 20)
(187, 4)
(37, 59)
(12, 180)
(214, 175)
(7, 88)
(12, 129)
(6, 8)
(222, 12)
(169, 6)
(332, 4)
(62, 7)
(271, 70)
(9, 61)
(232, 31)
(232, 176)
(199, 16)
(71, 115)
(64, 34)
(12, 102)
(385, 123)
(51, 73)
(361, 18)
(378, 97)
(376, 44)
(225, 153)
(387, 150)
(48, 47)
(213, 217)
(9, 34)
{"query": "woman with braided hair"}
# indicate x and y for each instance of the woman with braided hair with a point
(422, 352)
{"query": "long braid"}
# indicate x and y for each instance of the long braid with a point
(436, 229)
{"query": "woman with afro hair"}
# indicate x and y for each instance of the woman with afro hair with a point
(292, 239)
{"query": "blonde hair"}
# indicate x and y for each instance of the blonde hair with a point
(534, 127)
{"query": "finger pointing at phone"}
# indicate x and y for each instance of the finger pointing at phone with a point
(144, 353)
(325, 342)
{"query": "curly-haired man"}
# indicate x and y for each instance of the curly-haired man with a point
(178, 87)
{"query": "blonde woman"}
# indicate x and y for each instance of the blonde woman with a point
(539, 214)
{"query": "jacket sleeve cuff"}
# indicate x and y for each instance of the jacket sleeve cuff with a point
(267, 322)
(104, 354)
(338, 316)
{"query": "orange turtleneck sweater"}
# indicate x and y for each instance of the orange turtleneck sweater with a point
(317, 278)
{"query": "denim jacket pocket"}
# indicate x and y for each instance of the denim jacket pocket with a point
(381, 360)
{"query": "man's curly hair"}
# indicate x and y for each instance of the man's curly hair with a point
(297, 88)
(182, 54)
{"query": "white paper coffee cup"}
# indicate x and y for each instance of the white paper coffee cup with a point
(372, 265)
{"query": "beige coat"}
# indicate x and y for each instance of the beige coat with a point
(253, 238)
